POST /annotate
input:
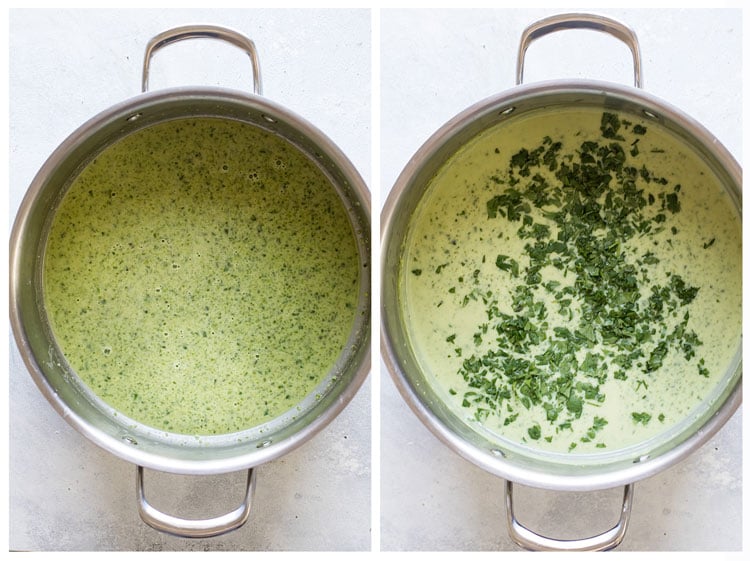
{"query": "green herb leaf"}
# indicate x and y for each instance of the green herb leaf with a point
(610, 125)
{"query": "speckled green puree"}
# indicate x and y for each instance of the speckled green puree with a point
(201, 276)
(572, 281)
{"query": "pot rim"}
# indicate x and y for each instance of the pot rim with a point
(501, 104)
(129, 110)
(508, 98)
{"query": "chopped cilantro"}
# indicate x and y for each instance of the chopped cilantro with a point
(575, 212)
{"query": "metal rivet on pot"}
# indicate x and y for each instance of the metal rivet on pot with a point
(269, 119)
(650, 115)
(264, 444)
(134, 117)
(130, 440)
(508, 110)
(497, 452)
(641, 459)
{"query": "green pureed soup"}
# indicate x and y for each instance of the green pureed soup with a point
(201, 276)
(571, 281)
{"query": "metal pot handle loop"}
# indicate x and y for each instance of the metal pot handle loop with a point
(202, 31)
(195, 528)
(528, 539)
(580, 21)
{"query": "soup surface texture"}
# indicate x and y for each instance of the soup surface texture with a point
(571, 281)
(201, 276)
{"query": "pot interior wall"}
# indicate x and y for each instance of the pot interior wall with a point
(73, 400)
(502, 457)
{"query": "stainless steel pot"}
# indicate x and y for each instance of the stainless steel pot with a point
(140, 444)
(516, 464)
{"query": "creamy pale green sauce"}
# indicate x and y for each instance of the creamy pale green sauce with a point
(450, 281)
(201, 276)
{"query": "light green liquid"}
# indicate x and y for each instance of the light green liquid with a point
(201, 276)
(451, 240)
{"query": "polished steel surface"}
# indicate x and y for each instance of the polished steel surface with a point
(196, 31)
(198, 527)
(534, 541)
(503, 458)
(595, 22)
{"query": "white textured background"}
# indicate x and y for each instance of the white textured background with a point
(65, 66)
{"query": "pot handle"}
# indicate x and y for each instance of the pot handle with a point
(195, 528)
(202, 31)
(528, 539)
(580, 21)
